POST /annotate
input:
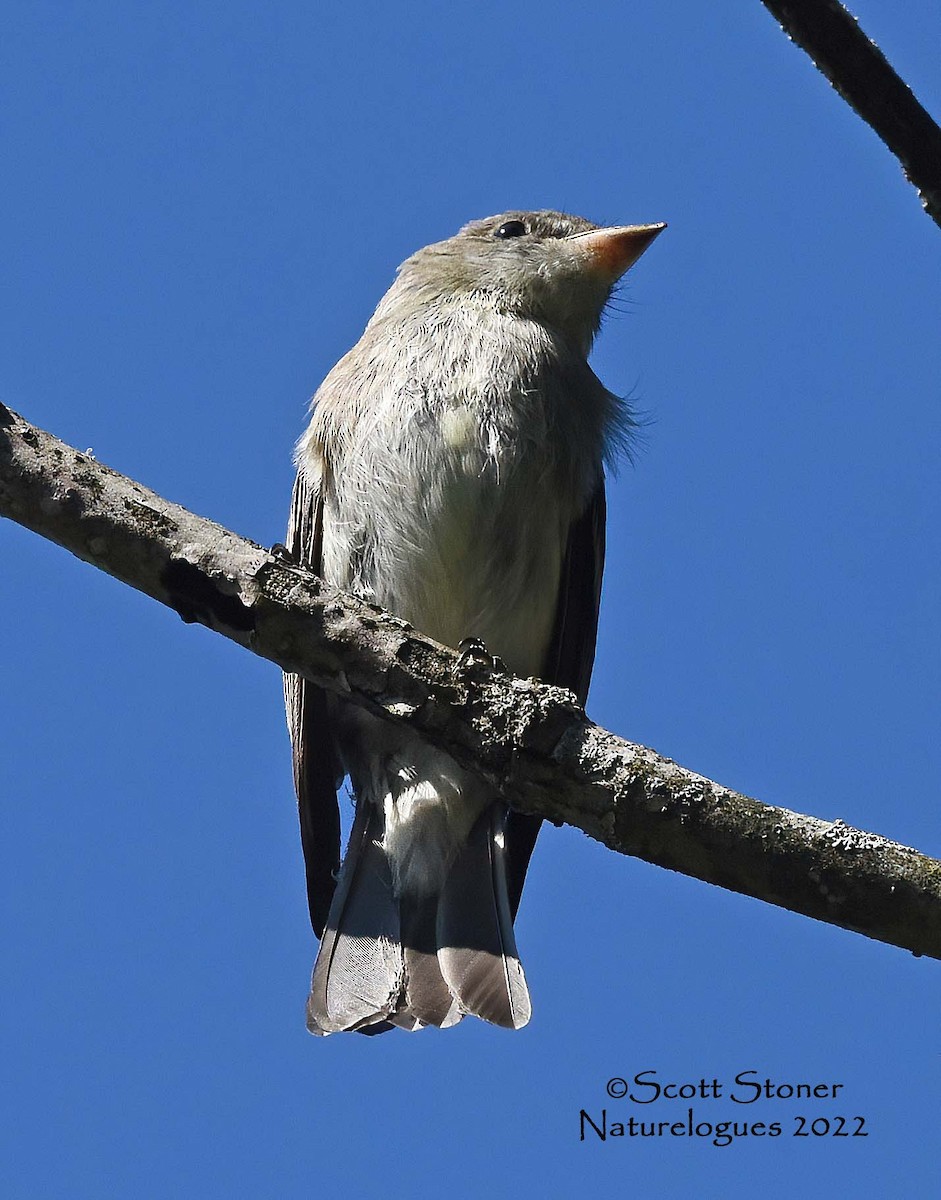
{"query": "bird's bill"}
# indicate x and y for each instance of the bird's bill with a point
(613, 250)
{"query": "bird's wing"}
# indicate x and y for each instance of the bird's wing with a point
(570, 656)
(316, 768)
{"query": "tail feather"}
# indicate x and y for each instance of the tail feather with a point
(476, 944)
(358, 974)
(428, 998)
(413, 961)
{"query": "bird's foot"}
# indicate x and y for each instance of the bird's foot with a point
(280, 553)
(474, 655)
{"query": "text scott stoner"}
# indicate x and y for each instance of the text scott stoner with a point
(746, 1088)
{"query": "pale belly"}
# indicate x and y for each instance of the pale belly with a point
(471, 547)
(462, 535)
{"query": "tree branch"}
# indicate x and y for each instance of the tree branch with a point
(861, 74)
(530, 740)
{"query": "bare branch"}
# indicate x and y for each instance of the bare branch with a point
(861, 74)
(530, 740)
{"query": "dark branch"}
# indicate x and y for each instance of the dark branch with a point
(530, 740)
(861, 74)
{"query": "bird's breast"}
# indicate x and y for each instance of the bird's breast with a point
(462, 444)
(462, 532)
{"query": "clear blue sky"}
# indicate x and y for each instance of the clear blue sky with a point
(202, 204)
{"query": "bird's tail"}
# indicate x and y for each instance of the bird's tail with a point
(407, 960)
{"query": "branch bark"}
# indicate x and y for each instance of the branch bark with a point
(530, 740)
(859, 71)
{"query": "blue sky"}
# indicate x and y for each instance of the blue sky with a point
(202, 206)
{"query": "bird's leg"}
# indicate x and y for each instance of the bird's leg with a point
(280, 553)
(473, 655)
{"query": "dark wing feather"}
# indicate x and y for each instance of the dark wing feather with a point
(315, 760)
(572, 651)
(570, 657)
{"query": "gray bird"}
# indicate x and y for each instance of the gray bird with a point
(452, 473)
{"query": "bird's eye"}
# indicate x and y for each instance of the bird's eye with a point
(510, 229)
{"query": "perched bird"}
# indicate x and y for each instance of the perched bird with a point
(452, 473)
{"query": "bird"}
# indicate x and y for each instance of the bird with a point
(453, 472)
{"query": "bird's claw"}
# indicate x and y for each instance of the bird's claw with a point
(280, 553)
(473, 653)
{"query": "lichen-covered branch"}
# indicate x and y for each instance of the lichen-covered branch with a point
(859, 71)
(531, 740)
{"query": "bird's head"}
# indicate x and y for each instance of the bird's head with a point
(546, 266)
